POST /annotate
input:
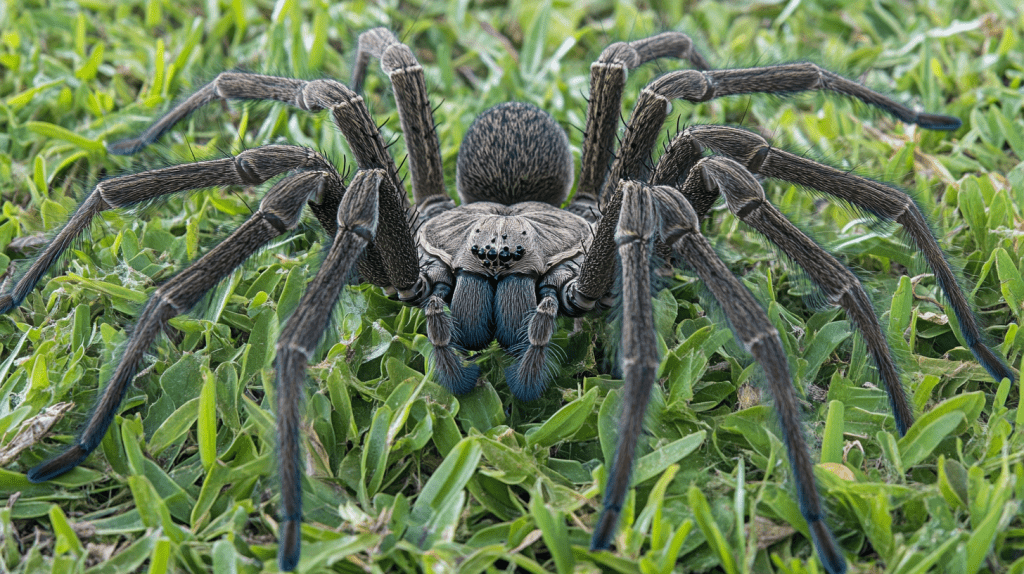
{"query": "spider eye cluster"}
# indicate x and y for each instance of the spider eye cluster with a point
(514, 152)
(490, 256)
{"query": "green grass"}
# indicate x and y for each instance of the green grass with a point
(404, 477)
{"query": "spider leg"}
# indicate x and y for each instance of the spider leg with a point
(653, 106)
(607, 80)
(357, 224)
(250, 167)
(753, 330)
(840, 286)
(883, 201)
(529, 374)
(279, 212)
(414, 111)
(449, 368)
(634, 237)
(353, 119)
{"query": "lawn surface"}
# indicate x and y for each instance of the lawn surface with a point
(404, 477)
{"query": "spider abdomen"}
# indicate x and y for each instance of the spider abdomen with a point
(512, 153)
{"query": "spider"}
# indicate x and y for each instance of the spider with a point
(509, 260)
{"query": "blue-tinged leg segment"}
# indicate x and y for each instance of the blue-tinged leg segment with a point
(103, 415)
(915, 224)
(449, 368)
(827, 548)
(60, 464)
(528, 377)
(473, 312)
(451, 373)
(514, 300)
(986, 358)
(290, 541)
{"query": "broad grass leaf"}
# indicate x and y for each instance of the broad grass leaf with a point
(821, 345)
(207, 420)
(655, 463)
(55, 132)
(951, 416)
(553, 529)
(564, 423)
(67, 540)
(481, 409)
(707, 524)
(439, 504)
(375, 455)
(1010, 283)
(832, 442)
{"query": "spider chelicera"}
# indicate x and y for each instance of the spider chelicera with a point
(507, 261)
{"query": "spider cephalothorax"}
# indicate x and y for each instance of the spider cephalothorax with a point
(512, 258)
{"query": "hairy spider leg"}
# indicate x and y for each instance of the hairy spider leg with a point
(607, 82)
(641, 133)
(721, 175)
(634, 237)
(754, 331)
(414, 111)
(279, 212)
(357, 225)
(250, 167)
(653, 106)
(529, 375)
(883, 201)
(399, 272)
(390, 261)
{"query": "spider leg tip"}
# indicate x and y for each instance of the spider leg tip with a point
(289, 549)
(458, 379)
(992, 362)
(829, 554)
(57, 465)
(126, 147)
(938, 122)
(604, 530)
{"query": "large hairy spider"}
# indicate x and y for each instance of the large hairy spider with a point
(509, 260)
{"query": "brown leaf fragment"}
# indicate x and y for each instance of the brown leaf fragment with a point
(32, 431)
